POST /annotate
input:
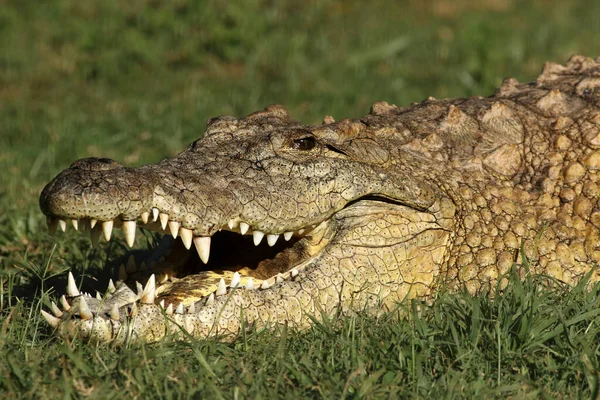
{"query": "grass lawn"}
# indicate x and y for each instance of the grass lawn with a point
(136, 81)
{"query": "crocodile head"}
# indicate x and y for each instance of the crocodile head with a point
(287, 220)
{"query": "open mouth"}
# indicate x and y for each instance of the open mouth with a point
(189, 268)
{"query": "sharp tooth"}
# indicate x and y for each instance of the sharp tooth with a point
(186, 237)
(301, 231)
(164, 220)
(107, 229)
(250, 284)
(111, 286)
(139, 288)
(98, 295)
(279, 278)
(265, 285)
(257, 237)
(174, 228)
(179, 309)
(145, 215)
(75, 224)
(294, 272)
(272, 239)
(154, 214)
(93, 223)
(84, 309)
(63, 224)
(114, 313)
(232, 224)
(50, 319)
(287, 235)
(129, 231)
(202, 244)
(148, 293)
(210, 300)
(143, 266)
(244, 228)
(235, 281)
(64, 303)
(56, 311)
(52, 224)
(134, 310)
(95, 236)
(221, 289)
(71, 286)
(164, 278)
(122, 273)
(169, 309)
(192, 309)
(162, 304)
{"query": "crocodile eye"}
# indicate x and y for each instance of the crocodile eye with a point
(305, 143)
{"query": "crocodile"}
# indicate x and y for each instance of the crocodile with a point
(291, 221)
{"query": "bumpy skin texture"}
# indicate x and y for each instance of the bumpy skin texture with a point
(405, 199)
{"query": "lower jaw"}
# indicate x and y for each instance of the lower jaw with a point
(183, 278)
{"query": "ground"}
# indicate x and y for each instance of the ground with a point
(136, 83)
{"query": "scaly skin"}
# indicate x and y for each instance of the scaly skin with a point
(393, 205)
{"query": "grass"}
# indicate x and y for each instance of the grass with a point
(136, 82)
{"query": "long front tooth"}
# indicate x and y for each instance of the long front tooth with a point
(222, 288)
(55, 310)
(52, 224)
(164, 220)
(287, 235)
(272, 239)
(235, 281)
(107, 227)
(186, 237)
(149, 291)
(64, 303)
(63, 224)
(75, 224)
(129, 231)
(244, 228)
(174, 228)
(50, 319)
(71, 286)
(154, 214)
(257, 237)
(202, 244)
(84, 309)
(145, 215)
(93, 223)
